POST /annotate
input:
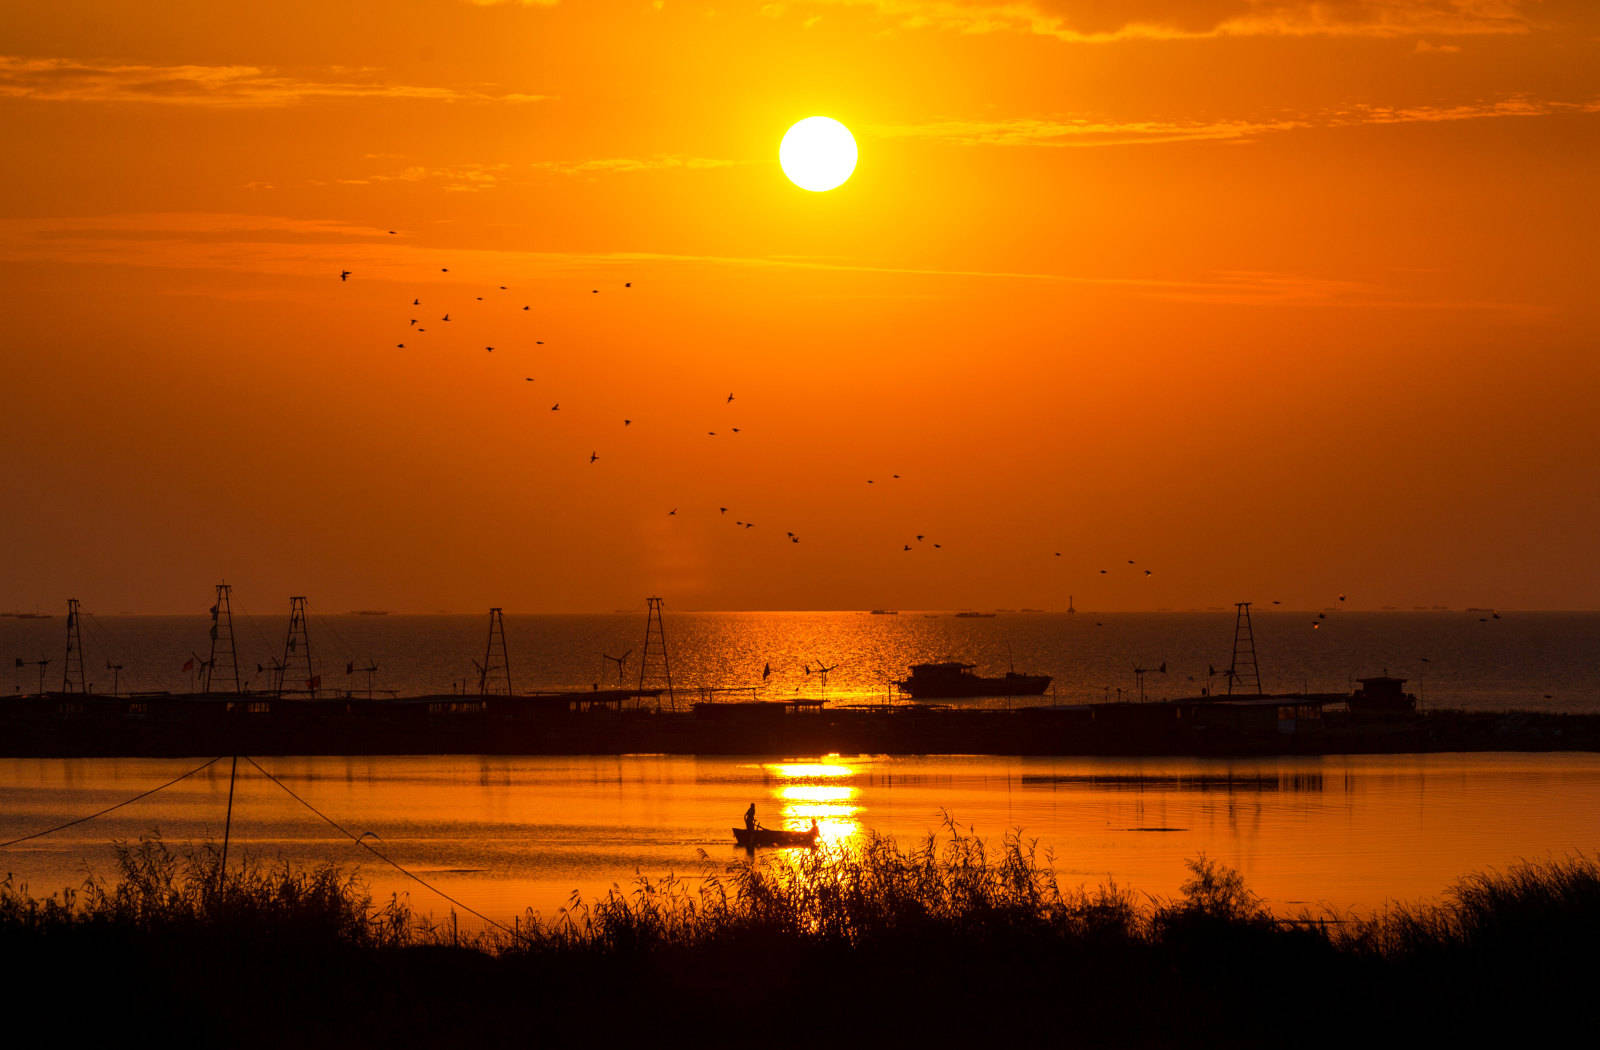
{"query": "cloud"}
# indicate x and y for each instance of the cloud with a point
(319, 249)
(624, 165)
(73, 80)
(1096, 21)
(1064, 133)
(458, 178)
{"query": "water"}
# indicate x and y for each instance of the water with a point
(504, 834)
(1528, 660)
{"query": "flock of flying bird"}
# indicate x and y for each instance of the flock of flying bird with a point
(417, 326)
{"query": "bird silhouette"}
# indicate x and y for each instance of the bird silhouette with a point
(444, 269)
(595, 291)
(556, 407)
(400, 346)
(735, 430)
(920, 537)
(627, 422)
(906, 547)
(527, 379)
(1102, 572)
(730, 399)
(446, 317)
(672, 512)
(524, 307)
(593, 456)
(502, 287)
(1147, 572)
(490, 349)
(723, 509)
(938, 546)
(627, 284)
(391, 233)
(416, 302)
(344, 275)
(413, 321)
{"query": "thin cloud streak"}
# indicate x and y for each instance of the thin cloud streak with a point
(625, 165)
(303, 247)
(1185, 20)
(72, 80)
(1068, 133)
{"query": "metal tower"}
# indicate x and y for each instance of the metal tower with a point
(222, 645)
(1242, 670)
(74, 668)
(492, 676)
(654, 631)
(296, 647)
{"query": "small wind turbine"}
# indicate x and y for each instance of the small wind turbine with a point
(618, 660)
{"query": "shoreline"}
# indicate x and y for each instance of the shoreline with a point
(69, 726)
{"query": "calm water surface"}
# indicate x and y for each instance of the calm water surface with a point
(505, 834)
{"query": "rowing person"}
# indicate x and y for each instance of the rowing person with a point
(750, 818)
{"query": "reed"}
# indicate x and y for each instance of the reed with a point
(867, 937)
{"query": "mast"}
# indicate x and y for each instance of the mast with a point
(653, 630)
(222, 643)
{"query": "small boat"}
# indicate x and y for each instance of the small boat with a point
(752, 838)
(949, 681)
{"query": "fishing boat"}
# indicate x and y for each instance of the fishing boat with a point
(948, 681)
(751, 838)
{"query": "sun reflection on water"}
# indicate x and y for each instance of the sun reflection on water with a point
(817, 792)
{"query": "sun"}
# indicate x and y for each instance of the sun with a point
(817, 154)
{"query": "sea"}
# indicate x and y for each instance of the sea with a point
(506, 835)
(1473, 660)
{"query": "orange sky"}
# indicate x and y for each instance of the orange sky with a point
(1278, 299)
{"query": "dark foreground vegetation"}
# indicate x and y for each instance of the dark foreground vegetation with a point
(948, 941)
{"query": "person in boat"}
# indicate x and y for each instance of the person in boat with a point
(750, 818)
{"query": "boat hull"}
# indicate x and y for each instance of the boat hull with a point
(971, 686)
(770, 837)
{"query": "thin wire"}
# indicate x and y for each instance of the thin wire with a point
(108, 809)
(360, 840)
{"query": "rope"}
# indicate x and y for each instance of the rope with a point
(360, 840)
(109, 809)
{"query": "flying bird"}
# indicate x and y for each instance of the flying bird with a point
(730, 399)
(444, 269)
(416, 302)
(593, 456)
(413, 321)
(391, 233)
(490, 349)
(556, 407)
(527, 379)
(723, 509)
(671, 512)
(626, 422)
(1147, 572)
(400, 346)
(446, 317)
(344, 275)
(524, 307)
(906, 547)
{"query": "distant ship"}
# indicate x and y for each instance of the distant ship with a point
(886, 612)
(976, 615)
(369, 612)
(948, 681)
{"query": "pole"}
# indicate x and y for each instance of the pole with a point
(227, 826)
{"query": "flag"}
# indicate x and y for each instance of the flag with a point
(19, 661)
(765, 671)
(188, 665)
